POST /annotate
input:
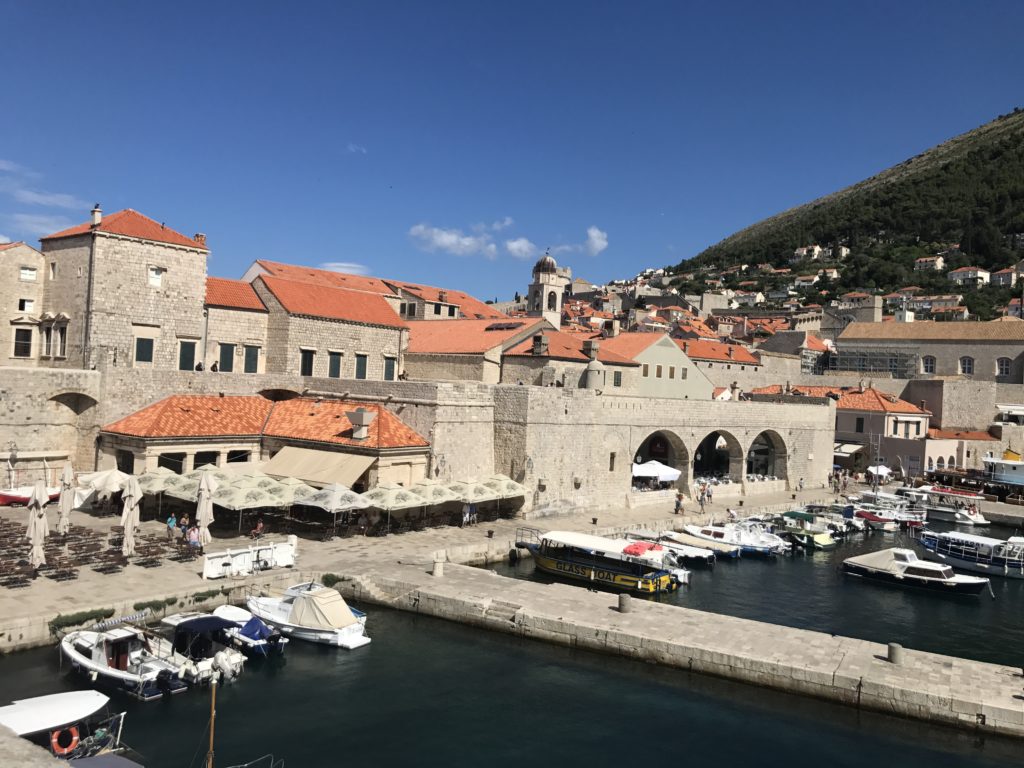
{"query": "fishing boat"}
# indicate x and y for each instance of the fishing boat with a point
(806, 530)
(752, 538)
(128, 658)
(250, 634)
(71, 725)
(962, 508)
(18, 497)
(685, 553)
(636, 566)
(315, 613)
(720, 548)
(981, 554)
(196, 636)
(901, 567)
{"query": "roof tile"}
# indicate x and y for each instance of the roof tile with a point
(332, 303)
(466, 337)
(850, 398)
(131, 224)
(232, 294)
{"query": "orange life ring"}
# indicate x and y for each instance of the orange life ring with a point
(55, 741)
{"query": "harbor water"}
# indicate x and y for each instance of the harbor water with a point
(809, 591)
(428, 692)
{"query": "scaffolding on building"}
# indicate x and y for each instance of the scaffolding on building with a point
(898, 363)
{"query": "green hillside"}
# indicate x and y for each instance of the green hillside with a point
(968, 190)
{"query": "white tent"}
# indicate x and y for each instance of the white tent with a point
(880, 471)
(105, 482)
(655, 469)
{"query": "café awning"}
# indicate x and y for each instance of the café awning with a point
(846, 449)
(318, 467)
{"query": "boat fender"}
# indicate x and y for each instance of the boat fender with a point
(64, 741)
(513, 556)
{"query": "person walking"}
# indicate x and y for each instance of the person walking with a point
(710, 497)
(172, 526)
(679, 504)
(801, 483)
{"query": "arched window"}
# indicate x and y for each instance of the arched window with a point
(928, 364)
(931, 463)
(951, 464)
(940, 464)
(536, 302)
(1003, 366)
(552, 301)
(967, 366)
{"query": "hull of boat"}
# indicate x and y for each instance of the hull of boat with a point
(254, 648)
(146, 686)
(953, 516)
(12, 498)
(994, 568)
(601, 575)
(350, 637)
(910, 582)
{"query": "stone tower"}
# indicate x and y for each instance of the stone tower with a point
(544, 298)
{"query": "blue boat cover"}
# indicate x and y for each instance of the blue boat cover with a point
(205, 624)
(255, 629)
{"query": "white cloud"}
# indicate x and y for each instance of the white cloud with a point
(38, 224)
(348, 267)
(6, 166)
(356, 149)
(504, 223)
(597, 240)
(521, 248)
(4, 239)
(557, 249)
(453, 241)
(49, 199)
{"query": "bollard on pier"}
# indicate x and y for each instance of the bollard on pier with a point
(624, 603)
(438, 568)
(895, 653)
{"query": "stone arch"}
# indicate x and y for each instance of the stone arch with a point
(278, 394)
(77, 402)
(951, 462)
(940, 464)
(719, 454)
(931, 464)
(552, 301)
(767, 455)
(667, 447)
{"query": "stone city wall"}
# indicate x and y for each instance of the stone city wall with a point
(441, 367)
(238, 327)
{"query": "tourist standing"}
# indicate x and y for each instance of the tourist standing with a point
(679, 503)
(172, 526)
(801, 483)
(710, 497)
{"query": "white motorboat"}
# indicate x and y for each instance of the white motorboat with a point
(128, 658)
(981, 554)
(315, 613)
(683, 552)
(900, 567)
(196, 636)
(71, 725)
(250, 634)
(940, 504)
(751, 537)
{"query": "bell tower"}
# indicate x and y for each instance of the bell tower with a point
(544, 298)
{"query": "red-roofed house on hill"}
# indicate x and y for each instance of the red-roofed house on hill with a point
(125, 289)
(319, 441)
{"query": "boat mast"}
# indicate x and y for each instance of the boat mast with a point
(213, 717)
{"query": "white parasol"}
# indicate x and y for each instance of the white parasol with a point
(38, 527)
(67, 499)
(105, 482)
(130, 516)
(204, 510)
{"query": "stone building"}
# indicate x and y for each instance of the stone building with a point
(547, 290)
(234, 331)
(470, 350)
(557, 359)
(21, 293)
(665, 370)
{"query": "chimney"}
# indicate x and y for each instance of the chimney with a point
(729, 351)
(686, 347)
(360, 419)
(734, 391)
(540, 345)
(200, 239)
(97, 216)
(442, 296)
(612, 328)
(590, 348)
(786, 390)
(924, 405)
(860, 386)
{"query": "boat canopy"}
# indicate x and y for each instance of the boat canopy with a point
(970, 538)
(885, 559)
(204, 624)
(255, 629)
(321, 609)
(45, 713)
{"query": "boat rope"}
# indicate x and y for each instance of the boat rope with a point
(199, 746)
(991, 591)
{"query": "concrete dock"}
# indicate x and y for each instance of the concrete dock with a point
(396, 571)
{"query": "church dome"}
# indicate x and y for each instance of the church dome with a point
(545, 264)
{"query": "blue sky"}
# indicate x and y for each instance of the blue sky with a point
(451, 142)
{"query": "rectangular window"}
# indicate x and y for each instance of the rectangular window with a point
(306, 357)
(205, 458)
(226, 363)
(62, 341)
(47, 340)
(437, 309)
(156, 276)
(918, 426)
(401, 309)
(611, 461)
(859, 426)
(451, 311)
(657, 371)
(26, 305)
(252, 359)
(143, 351)
(186, 355)
(646, 370)
(334, 365)
(617, 379)
(895, 428)
(172, 461)
(683, 372)
(360, 366)
(53, 269)
(389, 368)
(23, 342)
(238, 457)
(671, 371)
(27, 274)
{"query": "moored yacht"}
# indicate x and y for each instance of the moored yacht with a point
(752, 538)
(900, 567)
(981, 554)
(315, 613)
(128, 658)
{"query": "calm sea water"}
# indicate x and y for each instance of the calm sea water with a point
(809, 591)
(426, 692)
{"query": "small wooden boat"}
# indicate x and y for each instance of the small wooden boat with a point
(315, 613)
(900, 567)
(71, 725)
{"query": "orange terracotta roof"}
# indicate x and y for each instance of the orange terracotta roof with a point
(326, 277)
(855, 295)
(699, 349)
(131, 224)
(630, 345)
(5, 246)
(232, 294)
(850, 398)
(967, 269)
(815, 344)
(306, 419)
(325, 422)
(952, 434)
(466, 337)
(316, 300)
(567, 346)
(196, 416)
(470, 306)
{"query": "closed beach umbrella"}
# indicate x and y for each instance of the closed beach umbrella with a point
(204, 510)
(38, 527)
(130, 516)
(67, 499)
(10, 474)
